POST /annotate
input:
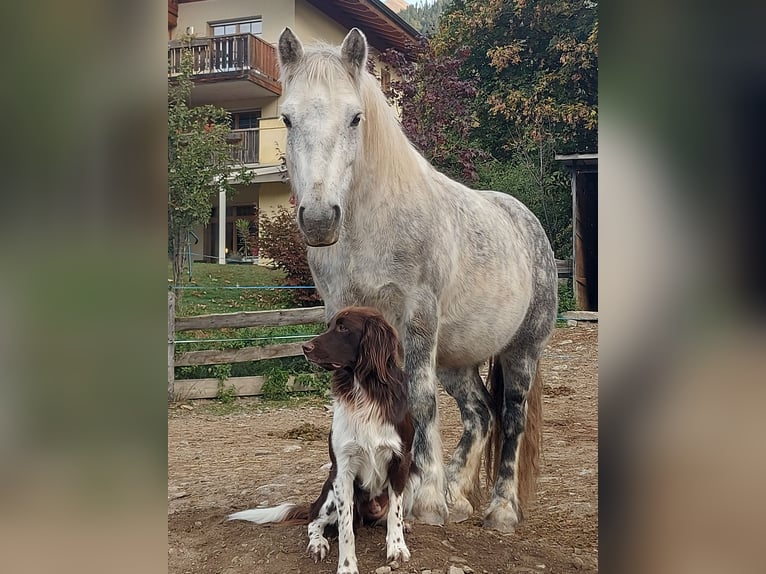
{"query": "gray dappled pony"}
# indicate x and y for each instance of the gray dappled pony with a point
(464, 275)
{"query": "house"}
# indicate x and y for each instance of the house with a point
(235, 67)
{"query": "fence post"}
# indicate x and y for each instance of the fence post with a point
(171, 345)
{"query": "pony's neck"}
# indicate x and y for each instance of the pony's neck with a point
(389, 164)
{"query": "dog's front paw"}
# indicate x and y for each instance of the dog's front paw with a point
(397, 551)
(318, 549)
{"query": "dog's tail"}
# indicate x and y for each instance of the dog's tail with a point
(282, 514)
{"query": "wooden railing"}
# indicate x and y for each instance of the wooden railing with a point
(245, 148)
(206, 388)
(221, 54)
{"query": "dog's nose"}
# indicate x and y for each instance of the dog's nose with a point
(308, 347)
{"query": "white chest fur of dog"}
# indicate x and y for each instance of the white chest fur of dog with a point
(364, 445)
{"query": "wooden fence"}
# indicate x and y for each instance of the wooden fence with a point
(208, 388)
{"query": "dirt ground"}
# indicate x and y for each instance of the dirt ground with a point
(224, 460)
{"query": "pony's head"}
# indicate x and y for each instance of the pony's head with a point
(322, 110)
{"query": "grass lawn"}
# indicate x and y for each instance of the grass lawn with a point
(211, 291)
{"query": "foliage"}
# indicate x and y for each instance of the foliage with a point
(275, 386)
(246, 237)
(436, 107)
(424, 17)
(547, 195)
(199, 162)
(566, 297)
(281, 242)
(538, 64)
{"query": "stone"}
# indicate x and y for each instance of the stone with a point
(383, 570)
(394, 565)
(577, 562)
(571, 323)
(458, 559)
(455, 570)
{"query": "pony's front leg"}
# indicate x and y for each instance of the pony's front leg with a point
(426, 489)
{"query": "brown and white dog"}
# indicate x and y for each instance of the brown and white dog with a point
(370, 442)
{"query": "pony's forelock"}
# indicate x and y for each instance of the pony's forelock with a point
(386, 147)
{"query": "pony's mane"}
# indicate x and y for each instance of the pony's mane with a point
(386, 148)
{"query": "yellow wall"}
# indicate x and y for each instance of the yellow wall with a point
(273, 140)
(272, 195)
(275, 14)
(312, 25)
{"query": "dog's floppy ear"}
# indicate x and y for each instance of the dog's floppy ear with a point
(379, 350)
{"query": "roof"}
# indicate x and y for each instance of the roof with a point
(589, 159)
(381, 25)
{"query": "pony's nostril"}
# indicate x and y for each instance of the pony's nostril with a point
(308, 347)
(335, 214)
(301, 210)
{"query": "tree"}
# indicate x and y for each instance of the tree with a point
(200, 163)
(537, 64)
(436, 106)
(424, 17)
(538, 69)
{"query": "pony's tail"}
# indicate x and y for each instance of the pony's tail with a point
(531, 439)
(282, 514)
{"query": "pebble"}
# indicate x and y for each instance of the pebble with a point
(467, 570)
(260, 452)
(394, 565)
(571, 323)
(458, 559)
(540, 566)
(456, 570)
(578, 562)
(425, 572)
(383, 570)
(198, 523)
(292, 448)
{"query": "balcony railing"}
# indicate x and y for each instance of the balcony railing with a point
(245, 145)
(224, 56)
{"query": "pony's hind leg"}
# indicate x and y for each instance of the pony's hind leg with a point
(516, 388)
(468, 390)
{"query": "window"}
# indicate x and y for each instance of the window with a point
(249, 26)
(245, 120)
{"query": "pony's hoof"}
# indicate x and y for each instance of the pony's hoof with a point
(429, 505)
(460, 509)
(430, 515)
(501, 516)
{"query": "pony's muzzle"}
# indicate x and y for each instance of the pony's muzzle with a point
(320, 225)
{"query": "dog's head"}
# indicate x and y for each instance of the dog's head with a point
(358, 339)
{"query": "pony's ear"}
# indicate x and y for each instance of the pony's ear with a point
(379, 349)
(353, 51)
(290, 49)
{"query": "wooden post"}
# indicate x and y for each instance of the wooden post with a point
(171, 345)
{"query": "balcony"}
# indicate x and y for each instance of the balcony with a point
(259, 146)
(228, 67)
(245, 145)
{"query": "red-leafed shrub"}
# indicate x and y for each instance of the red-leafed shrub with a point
(281, 242)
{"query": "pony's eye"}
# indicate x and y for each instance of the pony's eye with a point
(340, 327)
(356, 120)
(287, 121)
